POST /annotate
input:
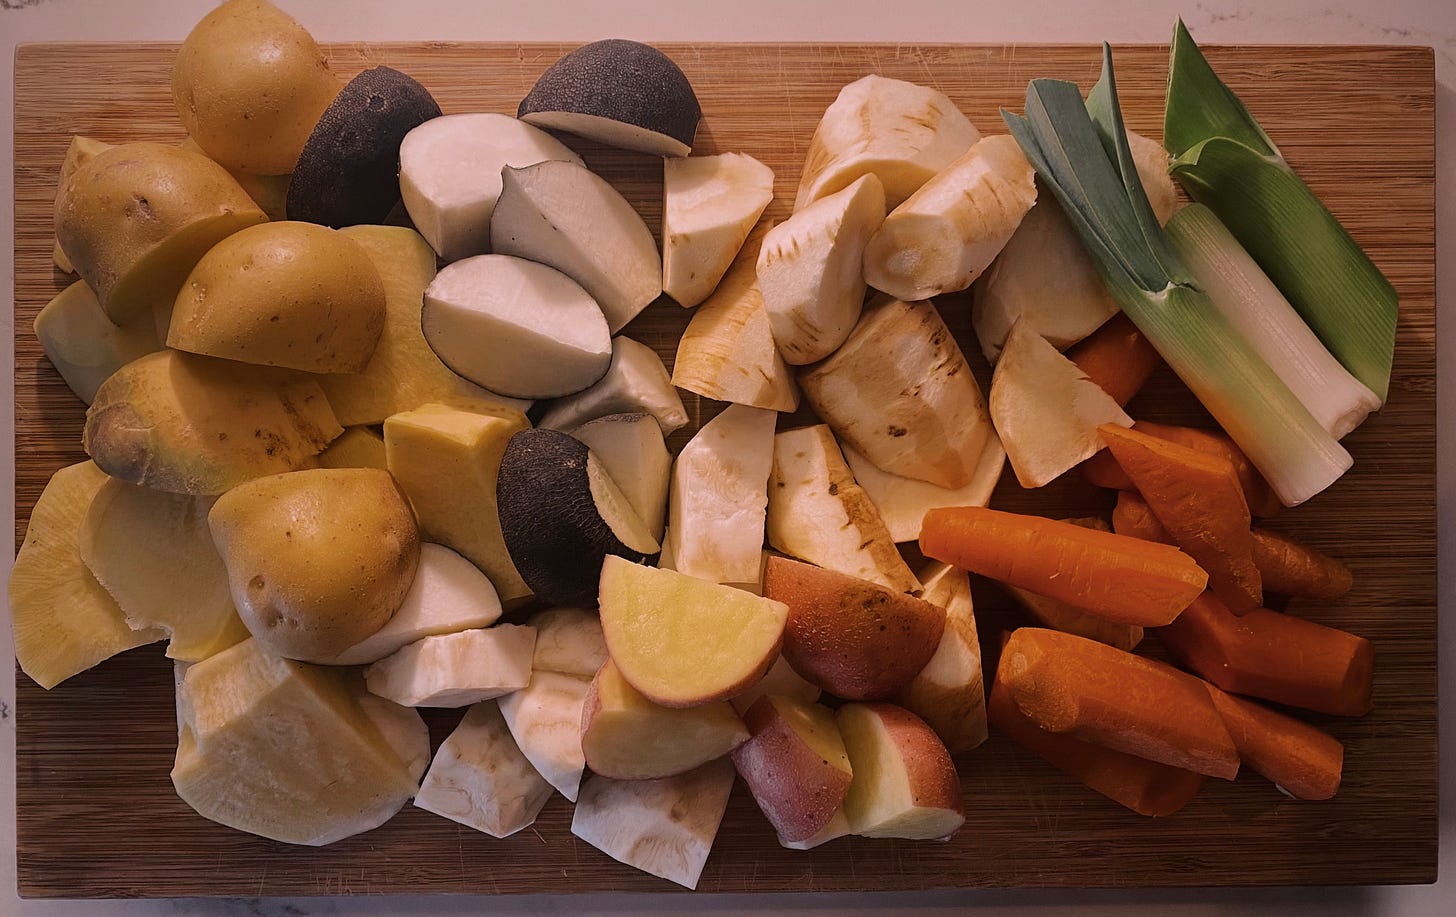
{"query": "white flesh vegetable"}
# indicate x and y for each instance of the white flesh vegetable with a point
(456, 670)
(480, 779)
(636, 381)
(633, 452)
(709, 206)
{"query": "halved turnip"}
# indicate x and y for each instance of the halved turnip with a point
(450, 175)
(562, 514)
(709, 206)
(635, 382)
(632, 449)
(565, 215)
(516, 327)
(619, 92)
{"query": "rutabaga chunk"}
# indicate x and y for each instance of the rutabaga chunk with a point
(900, 392)
(636, 381)
(817, 513)
(456, 670)
(810, 270)
(569, 641)
(449, 594)
(901, 132)
(564, 215)
(402, 728)
(720, 496)
(480, 779)
(84, 345)
(1045, 409)
(664, 827)
(950, 230)
(450, 175)
(633, 452)
(709, 205)
(545, 719)
(516, 327)
(903, 502)
(1066, 304)
(727, 352)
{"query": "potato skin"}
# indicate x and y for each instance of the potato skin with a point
(250, 83)
(317, 560)
(136, 217)
(286, 294)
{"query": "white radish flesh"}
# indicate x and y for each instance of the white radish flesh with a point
(633, 452)
(709, 206)
(635, 382)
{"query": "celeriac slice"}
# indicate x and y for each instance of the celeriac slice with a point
(568, 640)
(664, 827)
(1045, 409)
(719, 496)
(903, 501)
(84, 345)
(633, 452)
(545, 719)
(635, 382)
(709, 204)
(481, 779)
(456, 670)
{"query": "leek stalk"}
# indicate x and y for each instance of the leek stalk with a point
(1260, 313)
(1224, 160)
(1081, 152)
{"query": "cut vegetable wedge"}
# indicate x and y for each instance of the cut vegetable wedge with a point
(480, 779)
(545, 719)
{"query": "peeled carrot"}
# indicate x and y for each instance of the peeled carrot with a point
(1132, 516)
(1090, 691)
(1294, 569)
(1274, 656)
(1302, 760)
(1197, 498)
(1118, 357)
(1146, 787)
(1059, 615)
(1120, 578)
(1102, 469)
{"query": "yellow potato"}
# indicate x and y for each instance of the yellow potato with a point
(295, 295)
(317, 560)
(250, 83)
(135, 219)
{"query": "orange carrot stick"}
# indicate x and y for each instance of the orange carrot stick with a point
(1302, 760)
(1146, 787)
(1120, 578)
(1090, 691)
(1295, 569)
(1274, 656)
(1059, 615)
(1132, 516)
(1197, 498)
(1117, 357)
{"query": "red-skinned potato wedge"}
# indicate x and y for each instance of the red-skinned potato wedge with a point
(1146, 787)
(905, 784)
(627, 737)
(1197, 498)
(1103, 470)
(855, 639)
(1090, 691)
(1301, 760)
(794, 764)
(1116, 577)
(1118, 357)
(1294, 569)
(948, 692)
(1274, 656)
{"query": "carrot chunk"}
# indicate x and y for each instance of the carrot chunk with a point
(1132, 516)
(1118, 357)
(1294, 569)
(1302, 760)
(1120, 578)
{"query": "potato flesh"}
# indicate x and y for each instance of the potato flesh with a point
(456, 670)
(85, 346)
(64, 621)
(683, 641)
(481, 779)
(885, 797)
(710, 204)
(780, 679)
(357, 447)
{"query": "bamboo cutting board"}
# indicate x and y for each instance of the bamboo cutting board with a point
(97, 815)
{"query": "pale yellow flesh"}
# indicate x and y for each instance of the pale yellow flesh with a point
(780, 679)
(64, 621)
(481, 779)
(881, 801)
(456, 670)
(84, 345)
(709, 205)
(814, 725)
(154, 553)
(683, 641)
(903, 502)
(358, 447)
(949, 693)
(545, 719)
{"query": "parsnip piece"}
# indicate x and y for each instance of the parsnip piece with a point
(480, 779)
(903, 502)
(948, 693)
(950, 230)
(664, 827)
(900, 392)
(569, 641)
(545, 719)
(719, 496)
(153, 552)
(1066, 304)
(816, 512)
(84, 345)
(1045, 409)
(901, 132)
(810, 270)
(636, 381)
(64, 621)
(456, 670)
(727, 352)
(709, 204)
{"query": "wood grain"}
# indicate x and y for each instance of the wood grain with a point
(97, 815)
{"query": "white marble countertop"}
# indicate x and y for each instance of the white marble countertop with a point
(1414, 22)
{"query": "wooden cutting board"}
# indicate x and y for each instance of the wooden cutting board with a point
(97, 816)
